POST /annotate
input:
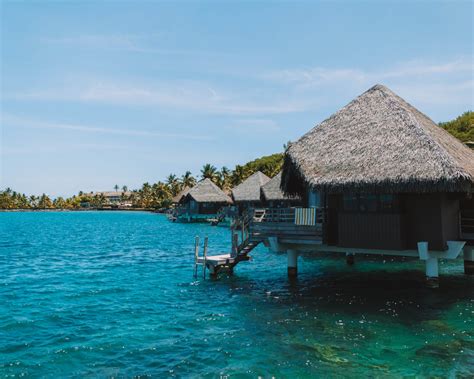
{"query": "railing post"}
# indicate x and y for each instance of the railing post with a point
(196, 255)
(235, 244)
(205, 258)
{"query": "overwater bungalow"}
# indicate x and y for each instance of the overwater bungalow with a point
(201, 203)
(176, 199)
(377, 177)
(248, 193)
(273, 196)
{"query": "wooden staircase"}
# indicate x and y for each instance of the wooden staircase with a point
(243, 242)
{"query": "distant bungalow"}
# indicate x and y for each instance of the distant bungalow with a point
(201, 203)
(248, 193)
(116, 197)
(176, 199)
(274, 197)
(111, 199)
(377, 177)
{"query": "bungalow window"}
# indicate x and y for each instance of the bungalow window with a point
(351, 203)
(388, 203)
(370, 203)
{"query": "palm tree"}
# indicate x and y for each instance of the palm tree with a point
(122, 196)
(45, 202)
(239, 175)
(116, 187)
(171, 180)
(208, 171)
(33, 200)
(187, 180)
(173, 184)
(146, 195)
(223, 178)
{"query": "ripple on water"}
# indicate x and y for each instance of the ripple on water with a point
(112, 294)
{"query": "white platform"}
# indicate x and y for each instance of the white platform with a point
(216, 260)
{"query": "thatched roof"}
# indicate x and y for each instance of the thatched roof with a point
(249, 189)
(181, 194)
(271, 190)
(207, 192)
(112, 193)
(378, 143)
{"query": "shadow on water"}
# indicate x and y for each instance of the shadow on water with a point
(402, 294)
(372, 318)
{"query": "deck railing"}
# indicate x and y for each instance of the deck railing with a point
(291, 225)
(298, 216)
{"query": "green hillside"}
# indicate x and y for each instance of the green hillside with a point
(461, 127)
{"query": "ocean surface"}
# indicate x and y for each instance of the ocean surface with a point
(112, 294)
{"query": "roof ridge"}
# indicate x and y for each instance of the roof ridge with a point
(413, 113)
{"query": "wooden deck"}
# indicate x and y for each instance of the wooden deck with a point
(288, 225)
(283, 224)
(217, 260)
(287, 232)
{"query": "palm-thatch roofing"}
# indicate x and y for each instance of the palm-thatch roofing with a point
(378, 143)
(181, 194)
(207, 192)
(249, 189)
(271, 190)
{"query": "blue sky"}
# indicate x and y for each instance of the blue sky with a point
(95, 94)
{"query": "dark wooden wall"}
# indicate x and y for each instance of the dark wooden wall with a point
(374, 230)
(422, 217)
(210, 208)
(431, 217)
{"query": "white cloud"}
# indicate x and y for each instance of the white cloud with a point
(435, 86)
(321, 75)
(61, 148)
(16, 121)
(190, 96)
(440, 94)
(137, 43)
(273, 92)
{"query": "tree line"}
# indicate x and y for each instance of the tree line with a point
(160, 194)
(149, 196)
(462, 127)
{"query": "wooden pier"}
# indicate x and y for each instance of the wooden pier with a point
(255, 226)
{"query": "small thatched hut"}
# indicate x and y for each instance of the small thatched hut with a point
(202, 202)
(181, 194)
(384, 178)
(274, 197)
(247, 194)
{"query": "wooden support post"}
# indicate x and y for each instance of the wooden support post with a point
(205, 258)
(235, 244)
(431, 265)
(469, 260)
(432, 272)
(350, 259)
(292, 263)
(196, 255)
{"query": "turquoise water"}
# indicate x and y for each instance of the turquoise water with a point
(112, 294)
